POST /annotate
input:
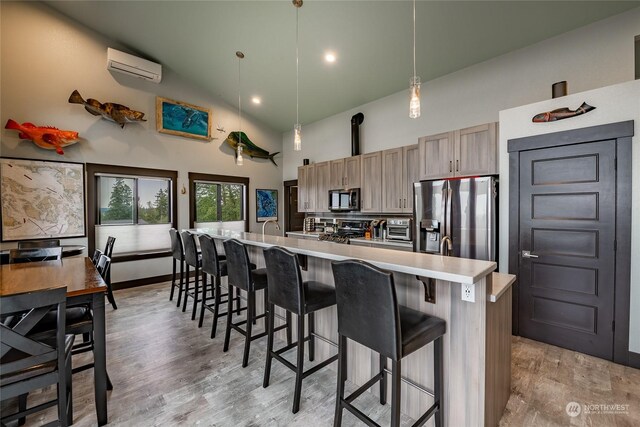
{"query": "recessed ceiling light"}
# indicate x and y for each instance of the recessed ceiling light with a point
(256, 100)
(330, 57)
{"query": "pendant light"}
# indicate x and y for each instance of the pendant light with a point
(239, 159)
(414, 82)
(297, 128)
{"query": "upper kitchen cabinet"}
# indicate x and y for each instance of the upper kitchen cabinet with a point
(337, 174)
(306, 188)
(323, 184)
(465, 152)
(400, 169)
(371, 182)
(345, 173)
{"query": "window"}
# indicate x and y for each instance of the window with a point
(136, 206)
(218, 201)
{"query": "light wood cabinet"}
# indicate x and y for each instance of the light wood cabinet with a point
(352, 171)
(323, 184)
(465, 152)
(371, 182)
(400, 169)
(306, 188)
(337, 174)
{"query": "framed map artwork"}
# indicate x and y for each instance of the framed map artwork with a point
(41, 199)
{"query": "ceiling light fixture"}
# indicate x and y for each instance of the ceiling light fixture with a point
(330, 57)
(414, 82)
(297, 129)
(256, 100)
(239, 159)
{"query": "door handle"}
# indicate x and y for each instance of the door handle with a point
(457, 165)
(528, 254)
(405, 203)
(450, 166)
(400, 201)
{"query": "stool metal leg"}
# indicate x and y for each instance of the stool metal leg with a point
(253, 307)
(196, 291)
(299, 365)
(186, 290)
(383, 380)
(251, 303)
(204, 297)
(437, 383)
(181, 288)
(312, 338)
(267, 365)
(173, 279)
(395, 392)
(227, 333)
(289, 328)
(342, 378)
(216, 304)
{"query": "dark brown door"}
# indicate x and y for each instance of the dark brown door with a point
(567, 223)
(296, 219)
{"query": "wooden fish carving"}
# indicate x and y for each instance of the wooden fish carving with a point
(562, 113)
(249, 147)
(118, 113)
(46, 137)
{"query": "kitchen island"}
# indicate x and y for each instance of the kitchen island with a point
(477, 344)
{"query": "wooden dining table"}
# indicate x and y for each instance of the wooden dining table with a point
(84, 286)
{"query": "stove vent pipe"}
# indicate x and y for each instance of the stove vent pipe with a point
(356, 121)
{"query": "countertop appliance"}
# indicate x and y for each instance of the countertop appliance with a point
(344, 200)
(456, 217)
(399, 229)
(346, 230)
(378, 226)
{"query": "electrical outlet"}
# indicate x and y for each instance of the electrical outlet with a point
(468, 292)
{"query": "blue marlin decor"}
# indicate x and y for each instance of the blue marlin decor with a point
(182, 119)
(248, 147)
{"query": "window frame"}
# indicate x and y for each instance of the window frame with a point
(93, 171)
(215, 179)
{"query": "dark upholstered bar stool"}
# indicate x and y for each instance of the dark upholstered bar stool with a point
(177, 254)
(242, 277)
(289, 291)
(368, 313)
(213, 265)
(192, 259)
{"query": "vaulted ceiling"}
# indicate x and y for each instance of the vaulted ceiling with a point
(371, 39)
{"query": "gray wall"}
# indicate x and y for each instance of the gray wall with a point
(45, 56)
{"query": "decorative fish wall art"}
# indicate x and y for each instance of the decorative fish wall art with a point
(118, 113)
(562, 113)
(248, 147)
(46, 137)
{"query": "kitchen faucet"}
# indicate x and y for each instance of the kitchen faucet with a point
(264, 224)
(446, 239)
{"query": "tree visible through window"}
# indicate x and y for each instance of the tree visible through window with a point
(218, 201)
(117, 195)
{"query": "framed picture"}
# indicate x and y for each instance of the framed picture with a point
(182, 119)
(41, 199)
(266, 205)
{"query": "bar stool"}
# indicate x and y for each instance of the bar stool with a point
(214, 265)
(192, 259)
(368, 313)
(289, 291)
(177, 254)
(243, 278)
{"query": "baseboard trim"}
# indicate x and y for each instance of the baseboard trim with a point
(141, 282)
(634, 360)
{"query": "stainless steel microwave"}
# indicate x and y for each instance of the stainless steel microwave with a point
(344, 200)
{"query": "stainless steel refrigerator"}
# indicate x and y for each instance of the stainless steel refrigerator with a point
(456, 217)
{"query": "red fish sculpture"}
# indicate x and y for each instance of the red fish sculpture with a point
(46, 137)
(562, 113)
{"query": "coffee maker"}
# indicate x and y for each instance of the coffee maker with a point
(377, 228)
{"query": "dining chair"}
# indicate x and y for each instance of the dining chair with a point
(17, 256)
(39, 244)
(108, 251)
(28, 363)
(96, 256)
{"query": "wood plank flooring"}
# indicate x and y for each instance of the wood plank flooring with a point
(168, 372)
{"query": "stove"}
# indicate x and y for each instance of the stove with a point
(345, 231)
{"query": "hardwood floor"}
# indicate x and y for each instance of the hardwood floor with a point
(168, 372)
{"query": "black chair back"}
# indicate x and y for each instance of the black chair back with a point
(210, 259)
(367, 306)
(96, 256)
(39, 244)
(238, 265)
(20, 353)
(17, 256)
(104, 262)
(190, 248)
(284, 279)
(177, 250)
(108, 248)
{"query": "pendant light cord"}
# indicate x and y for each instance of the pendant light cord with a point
(414, 38)
(239, 104)
(297, 72)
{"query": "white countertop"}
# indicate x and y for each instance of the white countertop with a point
(305, 234)
(499, 284)
(383, 242)
(451, 269)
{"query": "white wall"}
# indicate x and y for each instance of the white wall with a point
(613, 104)
(597, 55)
(45, 56)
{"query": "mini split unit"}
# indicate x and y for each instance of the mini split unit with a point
(133, 66)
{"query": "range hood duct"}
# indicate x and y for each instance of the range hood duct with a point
(356, 121)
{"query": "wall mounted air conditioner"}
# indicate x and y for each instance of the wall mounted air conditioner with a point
(133, 66)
